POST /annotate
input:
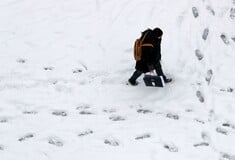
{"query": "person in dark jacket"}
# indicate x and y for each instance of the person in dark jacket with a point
(151, 56)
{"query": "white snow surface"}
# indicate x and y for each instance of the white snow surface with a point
(64, 65)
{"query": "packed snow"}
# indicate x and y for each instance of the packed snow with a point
(64, 66)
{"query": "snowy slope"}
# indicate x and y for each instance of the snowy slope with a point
(63, 72)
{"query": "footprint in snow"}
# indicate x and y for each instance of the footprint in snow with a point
(205, 33)
(160, 113)
(117, 118)
(201, 144)
(226, 156)
(109, 110)
(3, 120)
(1, 147)
(83, 106)
(205, 136)
(210, 10)
(221, 130)
(233, 38)
(21, 60)
(195, 12)
(229, 89)
(55, 141)
(54, 82)
(86, 112)
(85, 133)
(209, 76)
(172, 116)
(144, 111)
(59, 113)
(25, 137)
(111, 142)
(228, 125)
(199, 54)
(199, 121)
(48, 68)
(200, 96)
(171, 147)
(189, 110)
(224, 39)
(232, 13)
(144, 136)
(30, 112)
(77, 71)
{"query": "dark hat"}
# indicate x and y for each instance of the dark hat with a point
(158, 32)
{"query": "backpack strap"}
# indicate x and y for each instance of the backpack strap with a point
(147, 45)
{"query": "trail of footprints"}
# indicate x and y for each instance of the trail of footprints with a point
(112, 115)
(51, 68)
(224, 38)
(83, 108)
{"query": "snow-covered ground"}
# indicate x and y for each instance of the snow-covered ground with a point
(64, 65)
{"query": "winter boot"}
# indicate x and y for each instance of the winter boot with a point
(133, 78)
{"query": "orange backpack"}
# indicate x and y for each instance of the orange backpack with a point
(138, 47)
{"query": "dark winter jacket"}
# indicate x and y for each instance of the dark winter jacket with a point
(151, 56)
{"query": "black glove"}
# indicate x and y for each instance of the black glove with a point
(167, 80)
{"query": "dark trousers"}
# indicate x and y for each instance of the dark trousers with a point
(135, 75)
